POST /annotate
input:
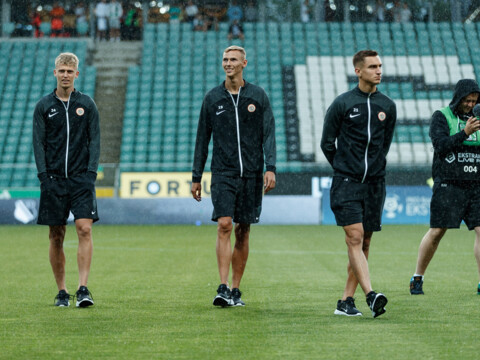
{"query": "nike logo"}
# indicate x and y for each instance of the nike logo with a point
(219, 112)
(93, 212)
(52, 115)
(352, 116)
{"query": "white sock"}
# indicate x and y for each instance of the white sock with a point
(414, 275)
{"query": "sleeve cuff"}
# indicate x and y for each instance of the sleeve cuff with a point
(196, 179)
(271, 168)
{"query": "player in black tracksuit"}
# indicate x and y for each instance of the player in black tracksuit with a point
(455, 135)
(239, 117)
(357, 134)
(66, 143)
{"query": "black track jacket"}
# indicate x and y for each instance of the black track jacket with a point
(362, 126)
(65, 142)
(243, 133)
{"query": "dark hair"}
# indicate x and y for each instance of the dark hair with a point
(360, 56)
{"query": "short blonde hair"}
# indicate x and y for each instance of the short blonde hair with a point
(236, 48)
(67, 58)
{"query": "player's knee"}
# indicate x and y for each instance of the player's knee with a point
(225, 225)
(242, 230)
(84, 230)
(354, 239)
(56, 235)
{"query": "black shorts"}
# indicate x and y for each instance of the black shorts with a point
(451, 204)
(59, 196)
(353, 202)
(237, 197)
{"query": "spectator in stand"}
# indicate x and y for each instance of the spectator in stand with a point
(405, 13)
(380, 11)
(115, 14)
(102, 12)
(81, 13)
(36, 21)
(305, 12)
(133, 23)
(234, 12)
(57, 14)
(81, 18)
(175, 12)
(251, 12)
(191, 10)
(198, 23)
(69, 23)
(235, 31)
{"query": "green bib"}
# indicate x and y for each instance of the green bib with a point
(456, 125)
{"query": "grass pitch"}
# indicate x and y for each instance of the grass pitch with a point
(153, 288)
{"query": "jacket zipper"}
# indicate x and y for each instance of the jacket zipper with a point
(238, 129)
(68, 132)
(369, 138)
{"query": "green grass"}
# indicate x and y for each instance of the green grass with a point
(153, 287)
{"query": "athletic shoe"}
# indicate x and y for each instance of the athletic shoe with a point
(62, 299)
(224, 296)
(84, 297)
(237, 297)
(347, 307)
(478, 289)
(416, 284)
(376, 302)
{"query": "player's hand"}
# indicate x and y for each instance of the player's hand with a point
(269, 181)
(197, 191)
(472, 125)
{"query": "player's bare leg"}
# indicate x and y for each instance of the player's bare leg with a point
(476, 249)
(352, 282)
(240, 253)
(57, 255)
(354, 236)
(85, 249)
(224, 247)
(427, 248)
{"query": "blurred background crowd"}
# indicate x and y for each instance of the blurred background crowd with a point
(116, 20)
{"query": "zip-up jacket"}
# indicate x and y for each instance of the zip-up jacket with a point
(243, 133)
(66, 136)
(357, 134)
(456, 157)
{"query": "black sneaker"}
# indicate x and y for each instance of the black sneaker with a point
(237, 297)
(416, 284)
(84, 297)
(224, 296)
(478, 289)
(62, 299)
(347, 307)
(376, 302)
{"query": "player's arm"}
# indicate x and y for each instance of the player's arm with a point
(269, 145)
(389, 129)
(94, 140)
(39, 142)
(331, 129)
(204, 133)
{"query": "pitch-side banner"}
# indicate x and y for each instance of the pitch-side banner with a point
(160, 185)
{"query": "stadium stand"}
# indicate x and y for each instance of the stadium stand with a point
(303, 67)
(28, 67)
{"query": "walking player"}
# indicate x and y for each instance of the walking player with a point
(66, 143)
(357, 134)
(239, 117)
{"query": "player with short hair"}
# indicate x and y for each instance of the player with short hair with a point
(357, 134)
(239, 117)
(455, 135)
(66, 144)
